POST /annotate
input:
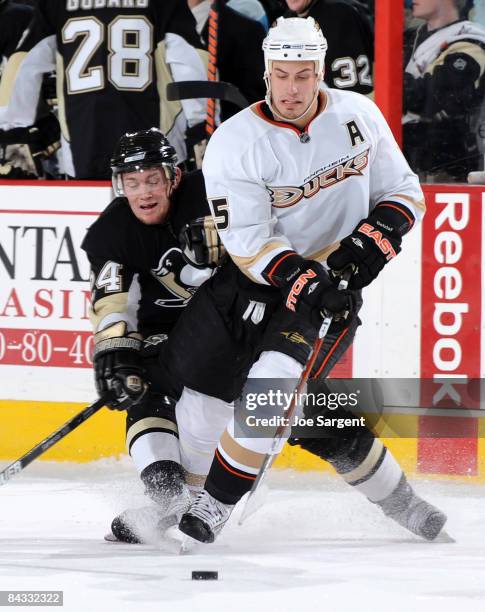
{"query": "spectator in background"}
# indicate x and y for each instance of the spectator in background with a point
(276, 8)
(273, 9)
(478, 12)
(23, 152)
(113, 67)
(239, 55)
(345, 25)
(252, 9)
(14, 19)
(443, 91)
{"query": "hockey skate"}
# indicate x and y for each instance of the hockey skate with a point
(412, 512)
(148, 525)
(205, 518)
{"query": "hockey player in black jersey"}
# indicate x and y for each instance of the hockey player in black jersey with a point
(141, 282)
(15, 18)
(23, 150)
(347, 28)
(113, 59)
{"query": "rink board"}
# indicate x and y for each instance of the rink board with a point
(26, 423)
(46, 343)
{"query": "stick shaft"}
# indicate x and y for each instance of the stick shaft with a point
(271, 455)
(185, 90)
(43, 446)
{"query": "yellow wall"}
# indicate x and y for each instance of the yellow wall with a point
(25, 423)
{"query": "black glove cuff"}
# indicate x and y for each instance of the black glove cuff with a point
(284, 268)
(392, 218)
(116, 344)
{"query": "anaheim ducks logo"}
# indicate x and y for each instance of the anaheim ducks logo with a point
(283, 197)
(294, 337)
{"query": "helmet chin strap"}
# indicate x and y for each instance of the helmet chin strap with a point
(279, 115)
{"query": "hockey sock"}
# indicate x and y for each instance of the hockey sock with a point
(163, 480)
(363, 462)
(151, 432)
(227, 482)
(236, 462)
(377, 476)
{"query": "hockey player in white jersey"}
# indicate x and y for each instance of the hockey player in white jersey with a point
(300, 186)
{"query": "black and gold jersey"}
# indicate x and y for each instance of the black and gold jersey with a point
(114, 59)
(350, 54)
(139, 278)
(14, 18)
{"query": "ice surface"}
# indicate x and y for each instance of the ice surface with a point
(315, 545)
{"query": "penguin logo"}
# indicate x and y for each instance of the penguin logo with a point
(168, 274)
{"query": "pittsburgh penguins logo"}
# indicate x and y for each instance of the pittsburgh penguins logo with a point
(168, 273)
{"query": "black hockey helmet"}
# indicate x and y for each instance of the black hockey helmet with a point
(140, 150)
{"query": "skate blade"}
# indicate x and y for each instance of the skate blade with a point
(444, 538)
(188, 545)
(171, 540)
(183, 543)
(110, 537)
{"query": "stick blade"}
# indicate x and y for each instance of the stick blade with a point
(255, 500)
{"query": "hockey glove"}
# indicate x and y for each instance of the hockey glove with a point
(308, 289)
(314, 295)
(373, 243)
(23, 149)
(118, 369)
(200, 242)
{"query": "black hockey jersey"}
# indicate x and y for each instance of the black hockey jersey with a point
(138, 274)
(350, 54)
(114, 59)
(14, 19)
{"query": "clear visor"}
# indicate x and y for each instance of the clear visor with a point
(117, 177)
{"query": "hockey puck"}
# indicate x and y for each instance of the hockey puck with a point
(199, 575)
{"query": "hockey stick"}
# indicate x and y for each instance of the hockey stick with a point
(252, 503)
(212, 48)
(185, 90)
(42, 447)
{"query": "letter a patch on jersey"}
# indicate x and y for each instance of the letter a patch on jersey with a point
(356, 136)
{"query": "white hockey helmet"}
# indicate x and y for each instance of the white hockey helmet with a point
(295, 39)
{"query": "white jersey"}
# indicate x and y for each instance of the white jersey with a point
(461, 37)
(274, 188)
